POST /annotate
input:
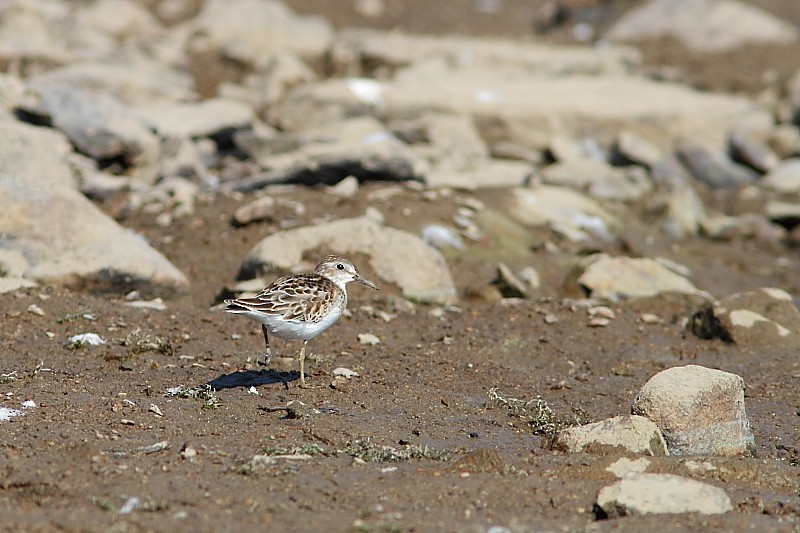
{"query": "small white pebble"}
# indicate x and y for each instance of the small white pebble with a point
(92, 339)
(388, 469)
(550, 318)
(253, 390)
(345, 372)
(601, 311)
(130, 505)
(650, 318)
(368, 338)
(599, 322)
(156, 410)
(35, 309)
(28, 404)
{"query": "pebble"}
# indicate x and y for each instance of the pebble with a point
(345, 372)
(368, 339)
(35, 309)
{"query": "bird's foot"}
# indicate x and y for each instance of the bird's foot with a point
(263, 360)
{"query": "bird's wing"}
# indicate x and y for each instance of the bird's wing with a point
(302, 297)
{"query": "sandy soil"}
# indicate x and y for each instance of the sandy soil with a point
(462, 462)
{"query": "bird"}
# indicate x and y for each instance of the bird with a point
(301, 306)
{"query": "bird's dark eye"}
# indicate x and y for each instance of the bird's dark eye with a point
(340, 266)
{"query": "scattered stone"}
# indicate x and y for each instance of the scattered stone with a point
(641, 494)
(156, 410)
(345, 372)
(441, 237)
(508, 284)
(567, 212)
(650, 318)
(530, 276)
(784, 177)
(700, 411)
(624, 466)
(705, 26)
(259, 209)
(753, 151)
(631, 148)
(600, 179)
(426, 279)
(634, 434)
(190, 120)
(35, 309)
(347, 188)
(368, 339)
(601, 311)
(754, 318)
(598, 322)
(713, 167)
(615, 278)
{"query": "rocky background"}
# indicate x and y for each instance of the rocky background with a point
(584, 217)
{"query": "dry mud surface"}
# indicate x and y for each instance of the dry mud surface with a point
(458, 460)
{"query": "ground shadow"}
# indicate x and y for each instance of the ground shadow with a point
(252, 378)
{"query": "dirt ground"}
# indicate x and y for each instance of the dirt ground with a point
(415, 443)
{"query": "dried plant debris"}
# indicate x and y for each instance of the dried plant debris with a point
(72, 317)
(368, 452)
(8, 378)
(202, 392)
(139, 342)
(537, 413)
(305, 449)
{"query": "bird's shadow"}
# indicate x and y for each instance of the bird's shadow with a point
(252, 378)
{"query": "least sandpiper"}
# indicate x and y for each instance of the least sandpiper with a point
(301, 306)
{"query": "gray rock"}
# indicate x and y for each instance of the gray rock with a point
(756, 318)
(713, 167)
(200, 119)
(684, 213)
(37, 152)
(615, 278)
(752, 150)
(570, 213)
(631, 148)
(703, 25)
(699, 410)
(133, 81)
(600, 179)
(100, 126)
(634, 434)
(360, 147)
(785, 177)
(641, 494)
(426, 279)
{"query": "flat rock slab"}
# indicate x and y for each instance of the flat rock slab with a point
(422, 275)
(635, 434)
(640, 494)
(699, 410)
(616, 278)
(501, 94)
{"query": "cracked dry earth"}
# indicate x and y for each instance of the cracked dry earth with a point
(416, 442)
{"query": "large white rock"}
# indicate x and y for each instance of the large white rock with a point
(699, 410)
(422, 274)
(785, 177)
(568, 212)
(640, 494)
(196, 119)
(251, 31)
(633, 433)
(705, 25)
(754, 318)
(616, 278)
(60, 235)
